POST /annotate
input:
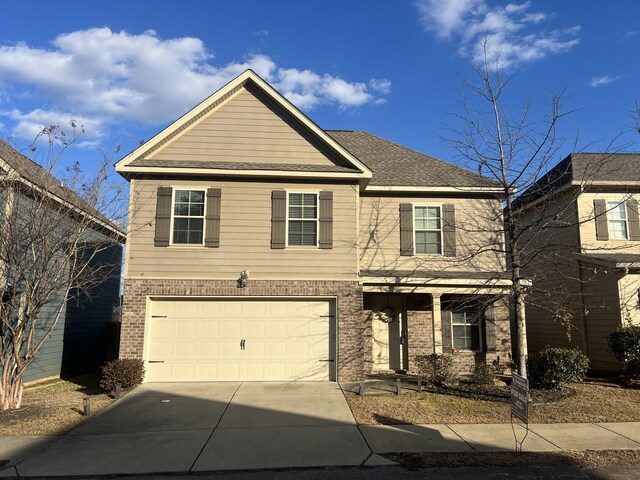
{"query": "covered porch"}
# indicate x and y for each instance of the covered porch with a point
(453, 313)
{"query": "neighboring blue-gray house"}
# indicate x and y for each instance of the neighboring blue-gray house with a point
(82, 338)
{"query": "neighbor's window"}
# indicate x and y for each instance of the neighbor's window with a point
(188, 216)
(465, 329)
(302, 220)
(617, 218)
(427, 230)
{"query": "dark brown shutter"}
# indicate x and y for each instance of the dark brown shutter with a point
(278, 218)
(633, 219)
(163, 216)
(447, 343)
(600, 212)
(490, 329)
(212, 219)
(449, 230)
(325, 239)
(406, 229)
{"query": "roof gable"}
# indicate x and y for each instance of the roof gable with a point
(246, 127)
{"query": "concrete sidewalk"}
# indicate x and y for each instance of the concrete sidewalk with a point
(378, 438)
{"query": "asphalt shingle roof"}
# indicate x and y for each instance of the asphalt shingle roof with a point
(395, 165)
(585, 169)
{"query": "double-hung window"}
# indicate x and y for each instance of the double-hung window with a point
(188, 217)
(465, 329)
(427, 229)
(617, 219)
(302, 220)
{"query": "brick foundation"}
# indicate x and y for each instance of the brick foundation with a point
(354, 336)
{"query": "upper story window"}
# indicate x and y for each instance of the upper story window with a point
(617, 220)
(465, 329)
(188, 217)
(427, 230)
(302, 220)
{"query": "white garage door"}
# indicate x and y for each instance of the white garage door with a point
(268, 340)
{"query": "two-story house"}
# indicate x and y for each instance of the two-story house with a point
(262, 247)
(586, 255)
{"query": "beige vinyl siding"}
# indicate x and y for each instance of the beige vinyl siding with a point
(478, 227)
(245, 236)
(588, 225)
(628, 287)
(244, 129)
(602, 304)
(555, 275)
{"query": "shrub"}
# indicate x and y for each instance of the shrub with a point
(127, 373)
(624, 343)
(553, 368)
(436, 369)
(483, 374)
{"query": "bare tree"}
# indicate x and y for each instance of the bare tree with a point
(55, 246)
(515, 152)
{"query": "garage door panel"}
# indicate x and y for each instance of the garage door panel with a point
(199, 340)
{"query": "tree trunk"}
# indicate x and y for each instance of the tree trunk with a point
(521, 330)
(11, 393)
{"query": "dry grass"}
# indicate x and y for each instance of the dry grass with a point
(54, 408)
(593, 402)
(586, 459)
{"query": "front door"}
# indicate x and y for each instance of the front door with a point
(389, 332)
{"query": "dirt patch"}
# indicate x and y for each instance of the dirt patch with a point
(586, 459)
(54, 408)
(586, 402)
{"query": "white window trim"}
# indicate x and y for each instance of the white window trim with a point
(626, 219)
(422, 205)
(286, 231)
(204, 217)
(480, 333)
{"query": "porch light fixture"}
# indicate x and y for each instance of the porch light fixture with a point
(244, 278)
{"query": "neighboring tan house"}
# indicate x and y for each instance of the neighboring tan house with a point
(587, 283)
(79, 340)
(262, 247)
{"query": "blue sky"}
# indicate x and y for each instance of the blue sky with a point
(125, 69)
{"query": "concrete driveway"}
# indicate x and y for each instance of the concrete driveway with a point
(193, 427)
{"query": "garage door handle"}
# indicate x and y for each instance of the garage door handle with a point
(330, 360)
(156, 361)
(242, 344)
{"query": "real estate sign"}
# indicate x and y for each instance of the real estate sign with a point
(520, 397)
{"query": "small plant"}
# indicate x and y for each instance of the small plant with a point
(436, 369)
(624, 343)
(553, 368)
(483, 374)
(126, 372)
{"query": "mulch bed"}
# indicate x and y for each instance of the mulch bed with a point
(585, 459)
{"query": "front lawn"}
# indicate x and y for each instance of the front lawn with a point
(54, 408)
(592, 402)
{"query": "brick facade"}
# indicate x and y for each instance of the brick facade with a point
(464, 362)
(354, 342)
(419, 328)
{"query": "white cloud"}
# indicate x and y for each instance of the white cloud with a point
(106, 77)
(596, 82)
(630, 34)
(507, 30)
(30, 125)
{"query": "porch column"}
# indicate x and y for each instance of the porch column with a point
(437, 324)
